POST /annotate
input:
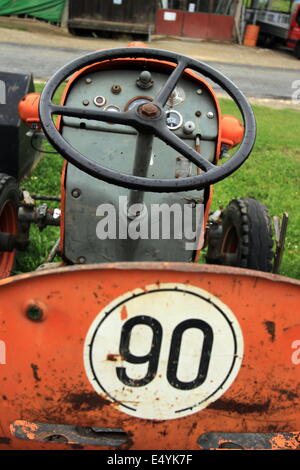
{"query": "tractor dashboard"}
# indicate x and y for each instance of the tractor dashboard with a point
(191, 113)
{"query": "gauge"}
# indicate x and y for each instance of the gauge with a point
(177, 96)
(99, 101)
(137, 100)
(112, 107)
(174, 119)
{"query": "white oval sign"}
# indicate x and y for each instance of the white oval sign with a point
(163, 352)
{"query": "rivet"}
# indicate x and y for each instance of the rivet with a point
(210, 115)
(76, 193)
(88, 80)
(199, 91)
(81, 260)
(85, 102)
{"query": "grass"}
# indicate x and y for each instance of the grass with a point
(271, 175)
(276, 5)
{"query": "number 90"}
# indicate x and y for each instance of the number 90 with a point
(153, 355)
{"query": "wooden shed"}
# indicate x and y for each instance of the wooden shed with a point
(126, 16)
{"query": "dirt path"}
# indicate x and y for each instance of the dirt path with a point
(21, 31)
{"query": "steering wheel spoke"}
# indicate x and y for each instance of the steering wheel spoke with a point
(113, 117)
(172, 81)
(184, 149)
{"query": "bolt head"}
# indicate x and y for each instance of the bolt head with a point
(76, 193)
(149, 110)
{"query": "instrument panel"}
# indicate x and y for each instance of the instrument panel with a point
(190, 113)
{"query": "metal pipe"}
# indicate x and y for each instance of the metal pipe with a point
(142, 158)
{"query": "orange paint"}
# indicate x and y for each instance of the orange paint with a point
(28, 109)
(264, 394)
(124, 314)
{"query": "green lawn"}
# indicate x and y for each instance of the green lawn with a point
(275, 5)
(271, 175)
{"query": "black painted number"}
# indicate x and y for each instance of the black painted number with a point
(204, 354)
(152, 358)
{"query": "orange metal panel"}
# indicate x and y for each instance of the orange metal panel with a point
(44, 321)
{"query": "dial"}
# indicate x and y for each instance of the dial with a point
(138, 100)
(177, 97)
(112, 107)
(174, 119)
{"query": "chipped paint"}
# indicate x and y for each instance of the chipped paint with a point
(271, 327)
(233, 406)
(286, 441)
(35, 370)
(123, 313)
(75, 436)
(250, 441)
(261, 401)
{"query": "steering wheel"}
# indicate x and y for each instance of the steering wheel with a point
(148, 119)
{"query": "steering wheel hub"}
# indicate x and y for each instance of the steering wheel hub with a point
(149, 110)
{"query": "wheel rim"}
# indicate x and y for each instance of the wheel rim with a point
(8, 224)
(229, 248)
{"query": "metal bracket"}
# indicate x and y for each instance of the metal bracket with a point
(280, 228)
(65, 434)
(250, 441)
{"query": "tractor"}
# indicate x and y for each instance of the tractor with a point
(128, 342)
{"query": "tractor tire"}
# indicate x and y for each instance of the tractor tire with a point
(9, 204)
(246, 240)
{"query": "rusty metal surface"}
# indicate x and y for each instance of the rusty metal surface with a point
(250, 441)
(44, 380)
(160, 266)
(62, 434)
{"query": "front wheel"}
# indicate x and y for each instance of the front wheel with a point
(9, 203)
(245, 240)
